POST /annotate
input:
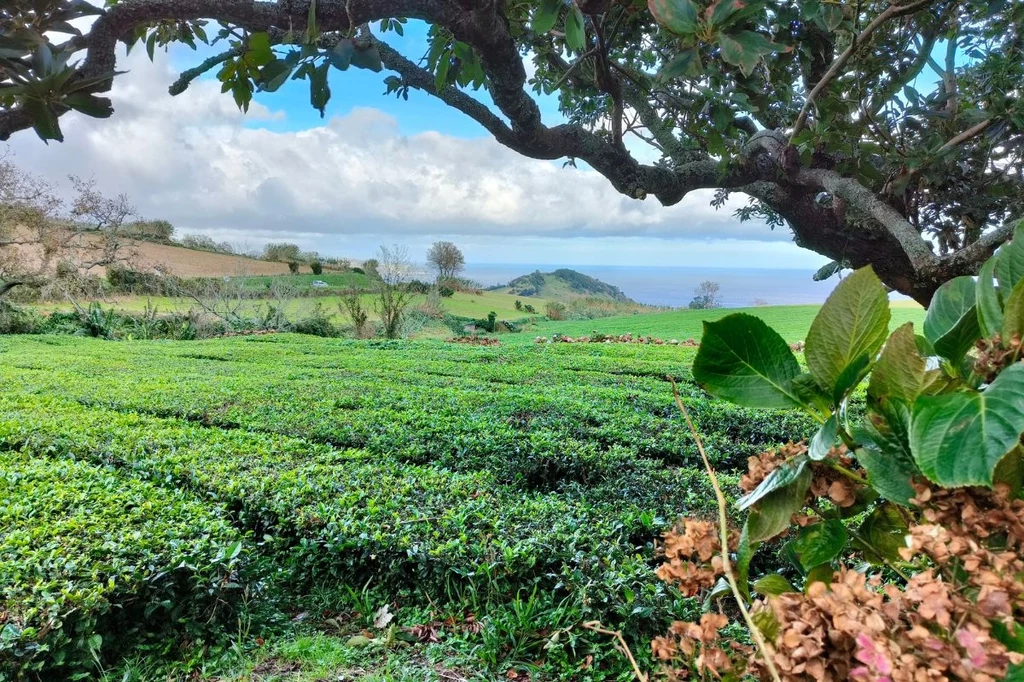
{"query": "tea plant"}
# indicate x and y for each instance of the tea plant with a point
(904, 526)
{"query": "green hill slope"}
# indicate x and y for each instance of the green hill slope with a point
(563, 284)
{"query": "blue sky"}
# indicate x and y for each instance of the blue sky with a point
(377, 169)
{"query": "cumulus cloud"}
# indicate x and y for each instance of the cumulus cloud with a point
(197, 161)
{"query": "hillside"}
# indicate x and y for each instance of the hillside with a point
(28, 250)
(563, 284)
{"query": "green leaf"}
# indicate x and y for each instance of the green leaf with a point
(882, 534)
(367, 57)
(772, 585)
(824, 438)
(90, 105)
(744, 555)
(772, 511)
(854, 321)
(319, 88)
(545, 17)
(721, 10)
(1013, 314)
(744, 49)
(951, 323)
(341, 55)
(575, 33)
(958, 438)
(823, 573)
(885, 455)
(259, 49)
(721, 589)
(1010, 266)
(1011, 639)
(151, 45)
(686, 63)
(44, 120)
(743, 360)
(819, 543)
(1010, 471)
(678, 16)
(443, 67)
(899, 372)
(832, 15)
(274, 75)
(990, 300)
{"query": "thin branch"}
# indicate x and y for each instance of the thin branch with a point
(723, 528)
(837, 66)
(595, 626)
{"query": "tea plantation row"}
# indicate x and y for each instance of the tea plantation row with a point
(423, 468)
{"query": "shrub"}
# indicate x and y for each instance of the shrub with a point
(352, 306)
(923, 489)
(519, 304)
(317, 324)
(317, 267)
(92, 562)
(293, 267)
(445, 291)
(555, 310)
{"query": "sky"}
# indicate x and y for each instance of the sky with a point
(376, 170)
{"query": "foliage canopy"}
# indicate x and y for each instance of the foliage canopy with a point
(883, 133)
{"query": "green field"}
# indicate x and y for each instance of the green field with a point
(792, 322)
(463, 304)
(521, 488)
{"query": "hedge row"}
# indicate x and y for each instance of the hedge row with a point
(91, 561)
(351, 516)
(533, 416)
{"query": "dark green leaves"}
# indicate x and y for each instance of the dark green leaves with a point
(744, 49)
(989, 300)
(341, 55)
(819, 543)
(951, 324)
(852, 325)
(575, 34)
(958, 438)
(772, 585)
(678, 16)
(779, 496)
(744, 361)
(90, 105)
(1013, 314)
(899, 372)
(882, 534)
(367, 57)
(545, 17)
(1009, 267)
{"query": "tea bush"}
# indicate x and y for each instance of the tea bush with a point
(92, 562)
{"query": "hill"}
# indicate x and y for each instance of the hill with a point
(30, 252)
(563, 284)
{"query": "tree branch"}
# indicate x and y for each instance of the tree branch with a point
(892, 12)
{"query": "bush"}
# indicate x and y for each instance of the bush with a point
(123, 280)
(555, 310)
(923, 489)
(445, 291)
(293, 267)
(317, 267)
(317, 324)
(92, 563)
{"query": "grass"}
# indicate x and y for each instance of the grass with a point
(792, 322)
(461, 304)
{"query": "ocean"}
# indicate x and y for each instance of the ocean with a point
(673, 286)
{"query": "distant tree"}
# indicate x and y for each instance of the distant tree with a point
(225, 247)
(283, 251)
(446, 259)
(317, 267)
(352, 306)
(706, 296)
(293, 267)
(200, 242)
(759, 302)
(151, 230)
(393, 294)
(370, 267)
(555, 310)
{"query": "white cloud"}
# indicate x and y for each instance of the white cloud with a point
(198, 162)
